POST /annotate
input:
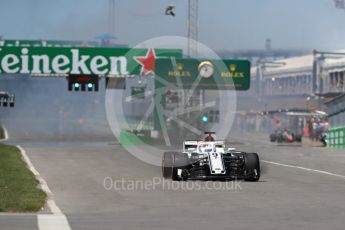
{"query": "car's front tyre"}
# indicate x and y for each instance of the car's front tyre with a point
(167, 163)
(180, 161)
(252, 166)
(273, 138)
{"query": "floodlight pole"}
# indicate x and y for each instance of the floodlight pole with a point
(111, 19)
(192, 28)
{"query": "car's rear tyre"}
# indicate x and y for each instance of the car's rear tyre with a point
(298, 138)
(273, 138)
(167, 163)
(252, 164)
(180, 161)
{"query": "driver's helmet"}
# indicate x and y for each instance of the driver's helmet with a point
(209, 138)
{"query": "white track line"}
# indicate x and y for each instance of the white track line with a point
(52, 222)
(58, 220)
(306, 169)
(5, 134)
(43, 184)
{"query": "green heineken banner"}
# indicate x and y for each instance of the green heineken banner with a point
(203, 74)
(111, 62)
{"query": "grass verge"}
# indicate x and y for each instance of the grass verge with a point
(19, 191)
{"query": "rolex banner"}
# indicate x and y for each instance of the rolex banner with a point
(111, 62)
(203, 74)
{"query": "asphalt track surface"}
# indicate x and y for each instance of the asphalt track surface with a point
(285, 198)
(75, 169)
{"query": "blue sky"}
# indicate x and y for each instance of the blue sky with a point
(223, 24)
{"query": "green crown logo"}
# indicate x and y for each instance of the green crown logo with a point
(179, 66)
(232, 67)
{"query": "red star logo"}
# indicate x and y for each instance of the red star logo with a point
(147, 63)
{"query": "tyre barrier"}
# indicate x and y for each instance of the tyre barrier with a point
(336, 138)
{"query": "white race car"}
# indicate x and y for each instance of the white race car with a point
(210, 160)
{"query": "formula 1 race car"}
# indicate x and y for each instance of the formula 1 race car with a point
(210, 160)
(284, 135)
